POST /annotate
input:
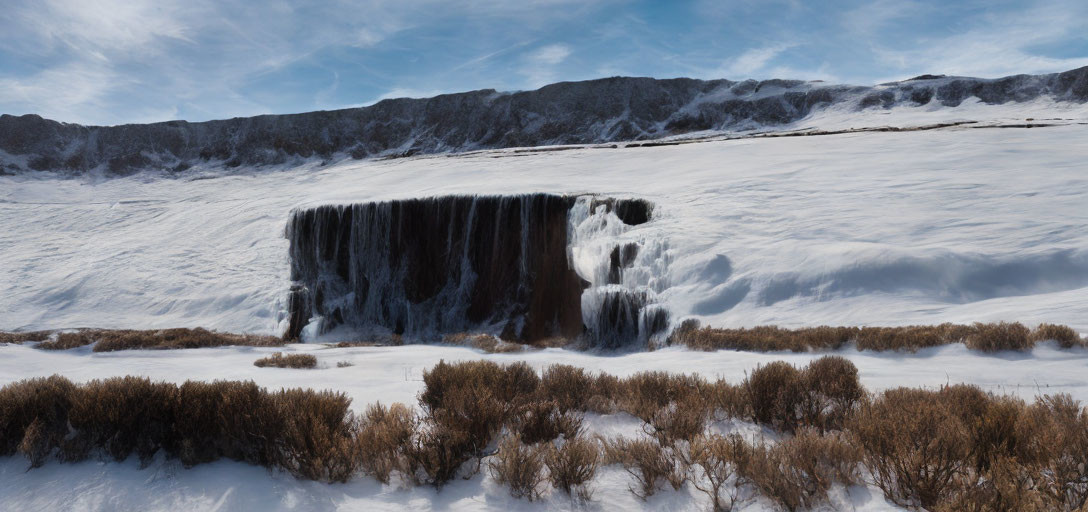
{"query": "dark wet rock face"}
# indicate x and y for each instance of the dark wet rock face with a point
(426, 267)
(623, 316)
(631, 211)
(594, 111)
(621, 257)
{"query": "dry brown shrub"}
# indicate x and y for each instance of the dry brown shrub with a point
(990, 422)
(826, 458)
(1005, 486)
(344, 364)
(798, 472)
(468, 418)
(180, 338)
(486, 342)
(20, 337)
(436, 455)
(68, 340)
(605, 392)
(519, 466)
(307, 433)
(1057, 444)
(717, 459)
(644, 394)
(766, 469)
(730, 399)
(822, 395)
(909, 338)
(310, 434)
(682, 333)
(226, 419)
(304, 432)
(42, 401)
(570, 387)
(553, 342)
(647, 462)
(915, 445)
(1000, 336)
(572, 464)
(988, 337)
(514, 384)
(832, 392)
(679, 421)
(278, 360)
(825, 337)
(776, 392)
(955, 333)
(1063, 334)
(352, 344)
(121, 415)
(318, 439)
(384, 436)
(764, 338)
(544, 421)
(465, 404)
(36, 443)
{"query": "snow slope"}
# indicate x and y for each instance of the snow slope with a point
(958, 224)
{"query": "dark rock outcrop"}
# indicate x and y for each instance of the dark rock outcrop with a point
(427, 267)
(623, 316)
(594, 111)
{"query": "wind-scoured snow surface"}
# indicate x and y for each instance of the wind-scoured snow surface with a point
(958, 224)
(595, 111)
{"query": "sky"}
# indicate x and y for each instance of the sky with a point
(111, 62)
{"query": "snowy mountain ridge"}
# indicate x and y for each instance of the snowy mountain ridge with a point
(595, 111)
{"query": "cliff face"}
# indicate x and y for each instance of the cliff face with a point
(433, 266)
(595, 111)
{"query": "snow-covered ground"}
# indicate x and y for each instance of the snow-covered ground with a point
(957, 224)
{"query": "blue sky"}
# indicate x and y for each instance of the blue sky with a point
(122, 61)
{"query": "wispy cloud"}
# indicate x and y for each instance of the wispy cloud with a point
(540, 65)
(996, 44)
(85, 59)
(869, 18)
(115, 61)
(753, 61)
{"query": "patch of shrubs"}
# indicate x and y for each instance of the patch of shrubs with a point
(572, 465)
(20, 337)
(486, 342)
(822, 395)
(798, 472)
(713, 461)
(385, 436)
(108, 340)
(649, 463)
(310, 434)
(988, 337)
(66, 341)
(520, 467)
(278, 360)
(1063, 334)
(960, 448)
(954, 448)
